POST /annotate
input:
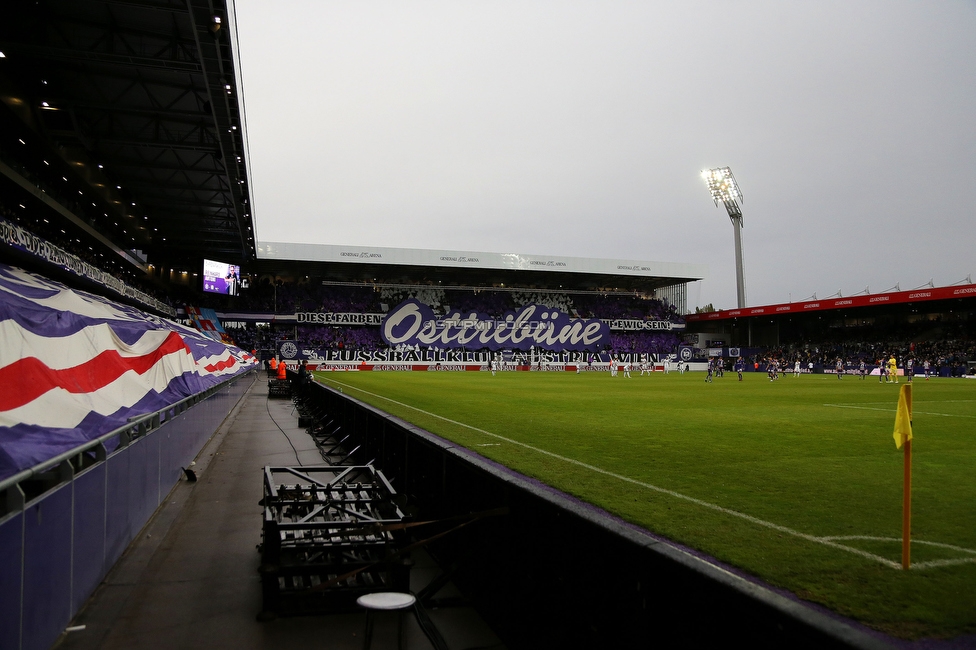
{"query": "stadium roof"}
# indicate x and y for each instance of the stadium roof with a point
(473, 267)
(140, 102)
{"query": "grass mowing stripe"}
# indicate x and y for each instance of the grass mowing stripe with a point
(705, 504)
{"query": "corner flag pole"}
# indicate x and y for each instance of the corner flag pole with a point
(906, 510)
(903, 436)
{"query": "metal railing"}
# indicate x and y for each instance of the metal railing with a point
(60, 469)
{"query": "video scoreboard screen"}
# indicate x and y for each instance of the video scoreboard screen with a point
(219, 277)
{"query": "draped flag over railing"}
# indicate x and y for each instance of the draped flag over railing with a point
(74, 366)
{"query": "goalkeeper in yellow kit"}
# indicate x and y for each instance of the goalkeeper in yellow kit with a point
(893, 369)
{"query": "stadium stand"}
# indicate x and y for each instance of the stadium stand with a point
(285, 298)
(948, 346)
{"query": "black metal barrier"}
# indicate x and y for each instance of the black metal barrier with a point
(558, 573)
(331, 534)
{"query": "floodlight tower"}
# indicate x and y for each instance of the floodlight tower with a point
(722, 185)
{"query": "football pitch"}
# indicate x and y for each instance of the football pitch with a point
(796, 481)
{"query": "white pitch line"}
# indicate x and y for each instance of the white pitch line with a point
(926, 400)
(889, 410)
(937, 563)
(931, 564)
(825, 541)
(872, 538)
(861, 408)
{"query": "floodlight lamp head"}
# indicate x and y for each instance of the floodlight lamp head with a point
(721, 184)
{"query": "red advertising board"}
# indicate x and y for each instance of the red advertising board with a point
(893, 298)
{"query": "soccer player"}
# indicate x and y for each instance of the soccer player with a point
(627, 369)
(708, 377)
(925, 366)
(738, 367)
(893, 368)
(796, 368)
(861, 368)
(910, 369)
(840, 368)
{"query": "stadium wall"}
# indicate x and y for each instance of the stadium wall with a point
(557, 572)
(58, 545)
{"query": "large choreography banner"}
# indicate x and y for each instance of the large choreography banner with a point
(75, 366)
(357, 318)
(414, 323)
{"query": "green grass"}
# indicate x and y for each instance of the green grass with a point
(793, 454)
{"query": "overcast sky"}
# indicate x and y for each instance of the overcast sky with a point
(580, 129)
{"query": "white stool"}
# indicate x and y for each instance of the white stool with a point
(385, 601)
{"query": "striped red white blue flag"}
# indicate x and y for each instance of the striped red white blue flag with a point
(74, 366)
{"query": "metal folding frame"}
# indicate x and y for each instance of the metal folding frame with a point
(330, 534)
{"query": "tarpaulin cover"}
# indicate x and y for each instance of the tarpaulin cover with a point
(74, 366)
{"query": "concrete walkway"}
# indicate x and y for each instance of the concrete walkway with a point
(190, 580)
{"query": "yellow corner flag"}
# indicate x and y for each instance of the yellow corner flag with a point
(903, 418)
(903, 438)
